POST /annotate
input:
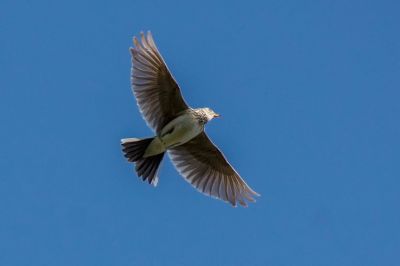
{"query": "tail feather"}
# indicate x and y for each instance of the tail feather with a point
(147, 168)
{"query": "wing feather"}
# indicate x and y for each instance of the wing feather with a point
(204, 166)
(157, 93)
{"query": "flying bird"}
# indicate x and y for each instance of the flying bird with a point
(179, 130)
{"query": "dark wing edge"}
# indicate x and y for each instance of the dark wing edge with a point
(205, 167)
(157, 93)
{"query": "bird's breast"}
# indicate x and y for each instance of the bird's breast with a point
(180, 130)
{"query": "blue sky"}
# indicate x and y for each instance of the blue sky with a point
(309, 93)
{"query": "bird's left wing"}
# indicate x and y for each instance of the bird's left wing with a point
(156, 91)
(204, 166)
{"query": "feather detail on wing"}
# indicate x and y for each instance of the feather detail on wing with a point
(204, 166)
(156, 91)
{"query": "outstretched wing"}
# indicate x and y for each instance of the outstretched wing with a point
(204, 166)
(156, 91)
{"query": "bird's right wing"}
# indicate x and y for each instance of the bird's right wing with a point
(204, 166)
(156, 91)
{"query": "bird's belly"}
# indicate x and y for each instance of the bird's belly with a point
(180, 130)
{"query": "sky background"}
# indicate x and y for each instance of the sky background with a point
(309, 93)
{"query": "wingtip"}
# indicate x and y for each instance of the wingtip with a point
(243, 203)
(233, 204)
(252, 192)
(149, 35)
(135, 41)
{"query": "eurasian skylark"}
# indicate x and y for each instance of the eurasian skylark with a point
(179, 131)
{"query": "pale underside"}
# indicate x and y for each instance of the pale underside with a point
(160, 101)
(177, 132)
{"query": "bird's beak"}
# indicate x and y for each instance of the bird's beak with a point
(217, 115)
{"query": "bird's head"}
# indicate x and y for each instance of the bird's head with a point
(210, 114)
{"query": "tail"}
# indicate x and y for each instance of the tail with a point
(147, 168)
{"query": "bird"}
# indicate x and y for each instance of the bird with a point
(179, 131)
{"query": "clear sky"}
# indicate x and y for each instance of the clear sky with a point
(309, 93)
